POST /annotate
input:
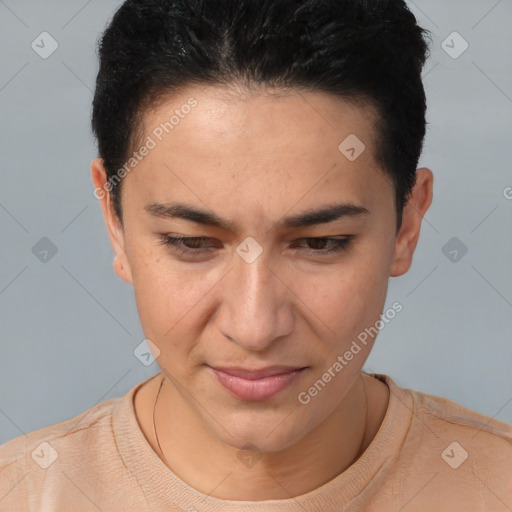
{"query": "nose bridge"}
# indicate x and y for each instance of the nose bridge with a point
(254, 279)
(254, 309)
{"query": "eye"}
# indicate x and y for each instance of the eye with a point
(196, 245)
(186, 245)
(319, 244)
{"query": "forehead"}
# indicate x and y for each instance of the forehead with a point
(214, 143)
(227, 114)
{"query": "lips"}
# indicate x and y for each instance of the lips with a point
(269, 371)
(256, 384)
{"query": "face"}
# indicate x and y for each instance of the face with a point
(264, 285)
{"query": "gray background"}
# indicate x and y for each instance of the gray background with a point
(69, 326)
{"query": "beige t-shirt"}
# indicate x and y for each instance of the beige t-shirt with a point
(430, 454)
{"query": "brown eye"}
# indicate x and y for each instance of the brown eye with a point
(191, 245)
(319, 244)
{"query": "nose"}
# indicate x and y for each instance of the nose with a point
(256, 308)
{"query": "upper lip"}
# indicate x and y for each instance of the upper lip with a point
(258, 373)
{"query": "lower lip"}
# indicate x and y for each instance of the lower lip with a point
(256, 390)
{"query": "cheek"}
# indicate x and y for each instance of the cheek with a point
(159, 292)
(170, 298)
(346, 296)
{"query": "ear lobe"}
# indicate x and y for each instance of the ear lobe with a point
(122, 268)
(114, 227)
(408, 236)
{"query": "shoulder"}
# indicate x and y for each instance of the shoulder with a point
(68, 431)
(456, 453)
(445, 415)
(26, 459)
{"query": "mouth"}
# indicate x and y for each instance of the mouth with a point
(256, 385)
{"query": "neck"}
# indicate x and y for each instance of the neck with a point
(185, 445)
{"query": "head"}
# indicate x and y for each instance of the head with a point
(255, 127)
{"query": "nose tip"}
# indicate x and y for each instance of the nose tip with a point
(255, 339)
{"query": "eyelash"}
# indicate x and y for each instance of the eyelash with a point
(340, 244)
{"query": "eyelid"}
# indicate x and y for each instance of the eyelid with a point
(341, 243)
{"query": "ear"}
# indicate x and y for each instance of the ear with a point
(114, 226)
(416, 207)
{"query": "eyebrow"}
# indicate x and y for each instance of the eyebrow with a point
(323, 215)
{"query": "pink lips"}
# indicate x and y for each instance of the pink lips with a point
(256, 385)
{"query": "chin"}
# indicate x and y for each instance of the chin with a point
(266, 435)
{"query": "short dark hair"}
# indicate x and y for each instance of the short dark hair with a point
(369, 51)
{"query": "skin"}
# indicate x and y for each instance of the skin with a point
(254, 158)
